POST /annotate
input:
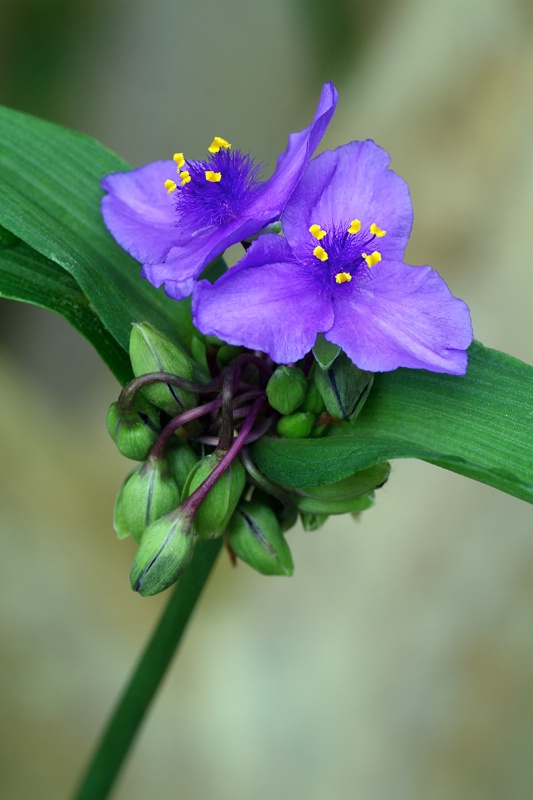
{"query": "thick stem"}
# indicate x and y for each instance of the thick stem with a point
(131, 709)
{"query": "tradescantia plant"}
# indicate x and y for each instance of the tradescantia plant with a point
(252, 397)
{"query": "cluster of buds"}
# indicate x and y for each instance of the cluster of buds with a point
(190, 423)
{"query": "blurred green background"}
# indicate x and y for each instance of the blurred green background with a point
(397, 664)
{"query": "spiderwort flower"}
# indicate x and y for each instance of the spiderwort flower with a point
(338, 270)
(176, 226)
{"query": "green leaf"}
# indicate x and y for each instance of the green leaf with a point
(50, 189)
(30, 277)
(480, 426)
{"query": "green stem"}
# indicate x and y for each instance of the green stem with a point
(129, 713)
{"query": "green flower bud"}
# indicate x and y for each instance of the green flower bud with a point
(255, 536)
(352, 494)
(134, 433)
(344, 387)
(313, 400)
(286, 512)
(148, 493)
(181, 460)
(296, 426)
(151, 351)
(164, 554)
(227, 353)
(286, 389)
(215, 511)
(312, 522)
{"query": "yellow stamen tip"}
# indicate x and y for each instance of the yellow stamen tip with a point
(320, 253)
(373, 258)
(213, 177)
(217, 143)
(170, 186)
(185, 177)
(343, 277)
(179, 159)
(355, 226)
(377, 231)
(317, 232)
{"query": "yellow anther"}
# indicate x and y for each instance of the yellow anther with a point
(343, 277)
(320, 253)
(373, 258)
(179, 159)
(185, 177)
(355, 226)
(213, 177)
(170, 186)
(217, 143)
(317, 232)
(377, 231)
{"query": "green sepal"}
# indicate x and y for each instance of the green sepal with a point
(215, 511)
(325, 352)
(152, 351)
(351, 494)
(296, 426)
(134, 433)
(312, 522)
(255, 536)
(148, 493)
(164, 554)
(344, 387)
(286, 512)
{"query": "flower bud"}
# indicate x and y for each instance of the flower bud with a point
(352, 494)
(286, 389)
(313, 400)
(151, 351)
(255, 536)
(181, 460)
(344, 387)
(164, 554)
(148, 493)
(134, 433)
(215, 511)
(312, 522)
(296, 426)
(227, 353)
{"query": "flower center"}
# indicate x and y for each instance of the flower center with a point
(213, 192)
(347, 250)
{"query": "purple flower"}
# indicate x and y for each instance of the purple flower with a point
(176, 227)
(338, 270)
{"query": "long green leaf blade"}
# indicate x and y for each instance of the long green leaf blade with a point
(50, 188)
(480, 425)
(28, 276)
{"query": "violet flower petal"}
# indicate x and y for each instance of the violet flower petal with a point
(402, 317)
(268, 302)
(276, 191)
(143, 219)
(352, 182)
(138, 211)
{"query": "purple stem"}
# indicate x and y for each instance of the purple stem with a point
(158, 447)
(191, 504)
